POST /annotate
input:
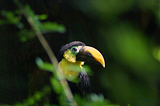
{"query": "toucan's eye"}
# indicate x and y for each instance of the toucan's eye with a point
(74, 50)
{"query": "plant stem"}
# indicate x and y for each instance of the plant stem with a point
(50, 53)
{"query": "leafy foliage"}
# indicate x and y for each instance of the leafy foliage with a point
(37, 96)
(25, 34)
(44, 65)
(120, 30)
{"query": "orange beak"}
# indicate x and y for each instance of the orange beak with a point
(88, 53)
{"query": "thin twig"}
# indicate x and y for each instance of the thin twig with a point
(50, 53)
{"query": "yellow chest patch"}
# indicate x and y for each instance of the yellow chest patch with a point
(71, 70)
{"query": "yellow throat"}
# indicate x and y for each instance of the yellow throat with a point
(70, 69)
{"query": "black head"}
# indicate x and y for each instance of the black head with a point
(68, 46)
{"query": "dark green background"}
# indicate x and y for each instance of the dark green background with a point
(126, 32)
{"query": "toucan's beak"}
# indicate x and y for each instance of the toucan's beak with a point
(87, 53)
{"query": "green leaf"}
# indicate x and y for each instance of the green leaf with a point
(56, 85)
(37, 95)
(39, 62)
(24, 34)
(31, 13)
(88, 70)
(52, 27)
(44, 65)
(10, 16)
(42, 17)
(80, 101)
(31, 101)
(97, 98)
(73, 79)
(47, 66)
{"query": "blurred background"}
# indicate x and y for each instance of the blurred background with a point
(126, 32)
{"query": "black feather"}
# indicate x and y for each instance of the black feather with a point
(83, 87)
(84, 84)
(68, 46)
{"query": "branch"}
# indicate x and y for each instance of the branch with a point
(50, 53)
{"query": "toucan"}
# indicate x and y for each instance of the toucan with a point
(72, 57)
